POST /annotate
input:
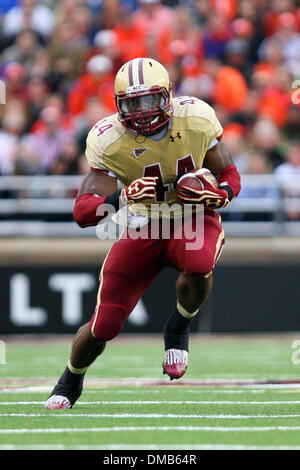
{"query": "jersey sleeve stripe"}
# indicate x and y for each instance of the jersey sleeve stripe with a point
(98, 170)
(212, 144)
(104, 172)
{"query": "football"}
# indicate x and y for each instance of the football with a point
(190, 179)
(208, 175)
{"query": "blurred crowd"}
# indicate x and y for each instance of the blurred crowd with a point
(59, 58)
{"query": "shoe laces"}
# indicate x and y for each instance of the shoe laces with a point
(176, 356)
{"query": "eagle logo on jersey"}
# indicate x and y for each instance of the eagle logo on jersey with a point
(138, 152)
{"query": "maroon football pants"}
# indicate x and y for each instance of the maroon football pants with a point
(132, 265)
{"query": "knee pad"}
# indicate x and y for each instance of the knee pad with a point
(108, 321)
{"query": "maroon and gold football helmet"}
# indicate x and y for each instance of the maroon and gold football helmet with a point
(143, 95)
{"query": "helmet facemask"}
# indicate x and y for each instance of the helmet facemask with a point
(145, 111)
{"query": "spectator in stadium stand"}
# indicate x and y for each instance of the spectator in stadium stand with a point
(227, 9)
(36, 95)
(13, 124)
(157, 24)
(200, 76)
(275, 98)
(251, 31)
(83, 15)
(216, 34)
(249, 10)
(108, 14)
(106, 43)
(258, 164)
(230, 88)
(14, 75)
(270, 57)
(130, 37)
(94, 111)
(43, 148)
(24, 49)
(67, 162)
(68, 48)
(153, 17)
(286, 172)
(28, 14)
(267, 137)
(272, 81)
(242, 28)
(82, 18)
(271, 18)
(288, 37)
(53, 100)
(236, 55)
(42, 65)
(98, 81)
(192, 79)
(200, 11)
(185, 38)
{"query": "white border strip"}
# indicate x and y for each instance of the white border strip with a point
(135, 391)
(151, 428)
(146, 447)
(147, 415)
(162, 402)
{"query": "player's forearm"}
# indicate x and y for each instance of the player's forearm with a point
(230, 181)
(90, 209)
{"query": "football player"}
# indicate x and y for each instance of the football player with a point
(148, 145)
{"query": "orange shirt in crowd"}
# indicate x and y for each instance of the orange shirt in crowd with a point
(88, 86)
(231, 89)
(130, 42)
(274, 104)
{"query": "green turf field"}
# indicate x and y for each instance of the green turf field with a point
(128, 404)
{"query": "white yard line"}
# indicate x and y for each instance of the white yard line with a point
(31, 389)
(146, 447)
(144, 415)
(273, 386)
(200, 391)
(151, 428)
(163, 402)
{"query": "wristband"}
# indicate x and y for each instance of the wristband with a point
(228, 189)
(114, 199)
(230, 178)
